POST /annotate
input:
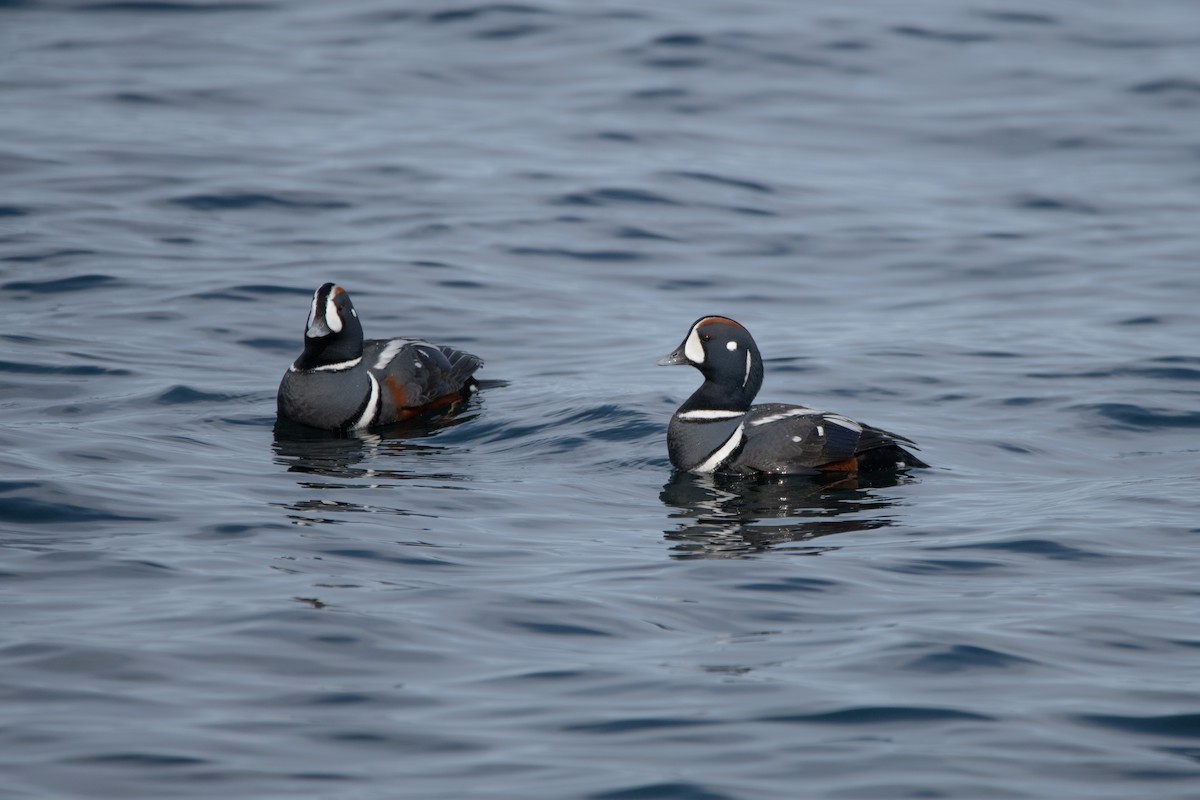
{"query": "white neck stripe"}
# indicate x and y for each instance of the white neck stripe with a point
(368, 414)
(709, 414)
(338, 367)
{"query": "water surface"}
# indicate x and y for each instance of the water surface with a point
(969, 224)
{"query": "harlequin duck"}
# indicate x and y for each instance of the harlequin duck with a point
(718, 430)
(342, 383)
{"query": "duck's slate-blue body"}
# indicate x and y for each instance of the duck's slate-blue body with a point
(718, 429)
(341, 382)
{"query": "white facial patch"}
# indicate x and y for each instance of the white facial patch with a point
(731, 346)
(693, 349)
(332, 318)
(312, 313)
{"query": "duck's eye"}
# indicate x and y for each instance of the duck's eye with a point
(705, 337)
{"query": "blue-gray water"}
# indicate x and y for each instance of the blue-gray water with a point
(973, 223)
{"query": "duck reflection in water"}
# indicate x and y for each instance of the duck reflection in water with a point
(733, 516)
(332, 454)
(327, 461)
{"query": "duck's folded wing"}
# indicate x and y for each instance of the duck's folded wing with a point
(796, 439)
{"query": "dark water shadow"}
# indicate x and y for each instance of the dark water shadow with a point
(392, 453)
(732, 517)
(342, 474)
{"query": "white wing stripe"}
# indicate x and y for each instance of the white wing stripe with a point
(791, 412)
(389, 352)
(843, 422)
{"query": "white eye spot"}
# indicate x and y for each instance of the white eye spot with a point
(795, 438)
(731, 345)
(693, 349)
(332, 318)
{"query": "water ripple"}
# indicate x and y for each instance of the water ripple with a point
(1127, 416)
(880, 715)
(1185, 726)
(243, 201)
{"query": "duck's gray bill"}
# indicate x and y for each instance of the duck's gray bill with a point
(676, 357)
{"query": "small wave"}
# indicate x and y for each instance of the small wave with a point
(139, 98)
(938, 566)
(1020, 17)
(879, 715)
(43, 504)
(630, 232)
(162, 7)
(271, 289)
(672, 790)
(793, 584)
(49, 255)
(511, 32)
(614, 196)
(1128, 416)
(947, 37)
(963, 658)
(1174, 725)
(80, 370)
(1045, 548)
(1045, 203)
(736, 183)
(635, 724)
(143, 760)
(1167, 86)
(464, 13)
(182, 395)
(578, 255)
(680, 40)
(75, 283)
(240, 201)
(557, 628)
